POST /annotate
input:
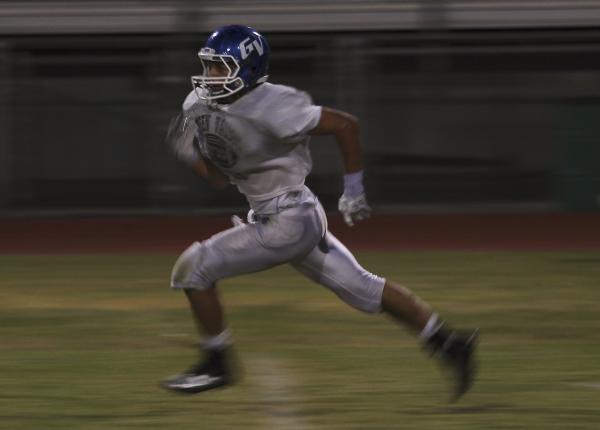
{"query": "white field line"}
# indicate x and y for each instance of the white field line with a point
(277, 395)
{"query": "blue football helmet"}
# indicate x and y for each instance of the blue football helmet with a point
(241, 55)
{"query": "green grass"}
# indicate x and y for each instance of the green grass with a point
(85, 339)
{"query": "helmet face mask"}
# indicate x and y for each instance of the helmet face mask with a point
(224, 83)
(234, 60)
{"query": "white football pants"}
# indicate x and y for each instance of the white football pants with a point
(296, 235)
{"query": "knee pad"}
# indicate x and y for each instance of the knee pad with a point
(362, 290)
(367, 292)
(185, 274)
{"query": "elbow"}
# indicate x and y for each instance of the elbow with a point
(350, 121)
(349, 125)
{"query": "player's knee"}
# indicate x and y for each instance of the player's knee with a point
(364, 292)
(370, 308)
(185, 273)
(373, 293)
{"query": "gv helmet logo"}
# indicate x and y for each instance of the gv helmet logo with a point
(248, 45)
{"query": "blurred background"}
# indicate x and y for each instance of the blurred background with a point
(480, 122)
(472, 103)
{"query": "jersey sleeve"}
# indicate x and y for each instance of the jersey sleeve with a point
(292, 114)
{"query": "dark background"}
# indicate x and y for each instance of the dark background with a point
(454, 114)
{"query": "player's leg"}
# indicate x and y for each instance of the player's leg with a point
(454, 349)
(336, 268)
(243, 249)
(403, 305)
(215, 369)
(207, 310)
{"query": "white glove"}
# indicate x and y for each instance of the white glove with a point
(353, 203)
(180, 137)
(354, 208)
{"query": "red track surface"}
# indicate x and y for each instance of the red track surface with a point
(382, 232)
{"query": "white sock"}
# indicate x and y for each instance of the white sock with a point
(218, 342)
(431, 327)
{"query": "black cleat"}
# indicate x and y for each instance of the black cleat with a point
(213, 372)
(458, 355)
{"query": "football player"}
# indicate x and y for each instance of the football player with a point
(236, 127)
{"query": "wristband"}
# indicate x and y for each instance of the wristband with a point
(353, 184)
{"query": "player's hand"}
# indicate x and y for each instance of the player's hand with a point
(354, 208)
(180, 137)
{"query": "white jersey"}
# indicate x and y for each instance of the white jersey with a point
(260, 141)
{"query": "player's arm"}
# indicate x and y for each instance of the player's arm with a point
(346, 131)
(353, 203)
(180, 137)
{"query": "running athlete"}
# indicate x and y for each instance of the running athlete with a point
(235, 127)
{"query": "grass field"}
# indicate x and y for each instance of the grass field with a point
(85, 339)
